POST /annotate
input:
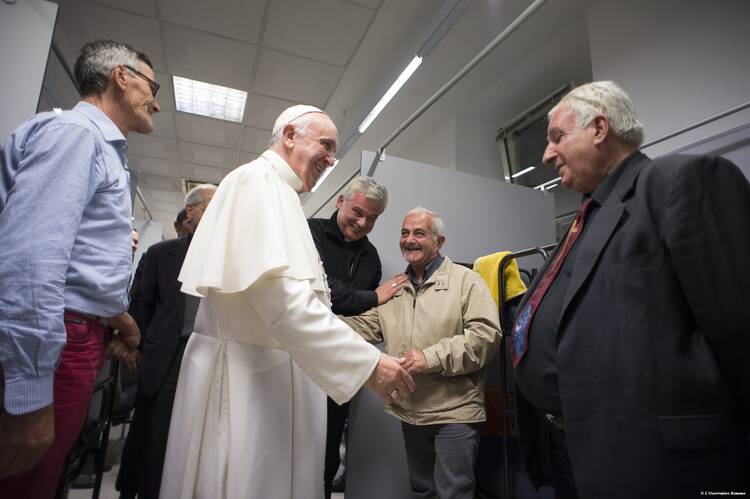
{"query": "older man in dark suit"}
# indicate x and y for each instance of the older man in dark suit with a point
(630, 346)
(166, 316)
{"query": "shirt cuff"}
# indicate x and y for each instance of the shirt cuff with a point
(371, 300)
(27, 395)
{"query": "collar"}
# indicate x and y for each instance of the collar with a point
(431, 268)
(106, 126)
(606, 186)
(283, 170)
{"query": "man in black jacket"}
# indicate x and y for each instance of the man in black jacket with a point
(630, 347)
(166, 316)
(352, 265)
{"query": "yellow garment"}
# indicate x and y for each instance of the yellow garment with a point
(488, 267)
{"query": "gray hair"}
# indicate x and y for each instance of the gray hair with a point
(96, 61)
(196, 194)
(605, 98)
(369, 188)
(300, 126)
(437, 226)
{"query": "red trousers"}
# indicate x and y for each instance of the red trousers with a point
(80, 362)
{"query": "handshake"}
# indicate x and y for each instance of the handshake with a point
(124, 344)
(391, 379)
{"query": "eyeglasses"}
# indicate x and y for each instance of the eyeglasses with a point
(151, 83)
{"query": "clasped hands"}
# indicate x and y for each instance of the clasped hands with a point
(392, 379)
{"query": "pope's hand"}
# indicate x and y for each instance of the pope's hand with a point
(390, 380)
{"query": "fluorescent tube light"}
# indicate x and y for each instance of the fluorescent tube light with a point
(207, 99)
(526, 170)
(551, 186)
(405, 75)
(548, 182)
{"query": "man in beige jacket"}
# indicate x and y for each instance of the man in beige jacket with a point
(445, 323)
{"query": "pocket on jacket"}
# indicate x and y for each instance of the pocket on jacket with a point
(694, 432)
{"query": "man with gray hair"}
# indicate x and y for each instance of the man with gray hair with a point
(166, 316)
(444, 321)
(353, 268)
(249, 413)
(65, 222)
(630, 347)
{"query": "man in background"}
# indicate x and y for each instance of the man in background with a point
(353, 269)
(166, 316)
(65, 224)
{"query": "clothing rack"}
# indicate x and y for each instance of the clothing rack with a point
(506, 328)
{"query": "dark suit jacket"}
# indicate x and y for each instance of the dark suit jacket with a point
(161, 311)
(654, 337)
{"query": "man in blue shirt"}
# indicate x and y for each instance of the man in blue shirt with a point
(65, 218)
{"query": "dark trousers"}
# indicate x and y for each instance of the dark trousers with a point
(81, 359)
(563, 480)
(146, 444)
(441, 460)
(337, 416)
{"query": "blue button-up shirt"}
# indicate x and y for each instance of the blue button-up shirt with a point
(65, 221)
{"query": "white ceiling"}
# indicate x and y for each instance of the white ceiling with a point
(337, 54)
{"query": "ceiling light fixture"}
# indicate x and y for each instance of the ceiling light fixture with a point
(405, 75)
(207, 99)
(525, 170)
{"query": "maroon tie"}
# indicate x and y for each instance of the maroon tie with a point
(520, 335)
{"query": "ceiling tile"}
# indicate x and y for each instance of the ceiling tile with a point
(208, 58)
(324, 30)
(295, 78)
(255, 140)
(204, 173)
(207, 155)
(108, 23)
(161, 182)
(143, 7)
(155, 166)
(163, 125)
(155, 147)
(262, 111)
(240, 19)
(173, 196)
(209, 131)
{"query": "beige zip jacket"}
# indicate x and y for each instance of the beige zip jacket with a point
(454, 321)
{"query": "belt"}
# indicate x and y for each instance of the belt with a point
(82, 318)
(555, 418)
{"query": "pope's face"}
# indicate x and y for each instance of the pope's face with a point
(314, 149)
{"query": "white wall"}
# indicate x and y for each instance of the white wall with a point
(25, 36)
(679, 60)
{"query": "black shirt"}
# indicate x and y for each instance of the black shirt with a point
(353, 267)
(536, 375)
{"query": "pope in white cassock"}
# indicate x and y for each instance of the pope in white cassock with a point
(249, 416)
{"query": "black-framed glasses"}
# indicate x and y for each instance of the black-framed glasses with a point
(151, 83)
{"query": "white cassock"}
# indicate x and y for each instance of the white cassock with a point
(249, 417)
